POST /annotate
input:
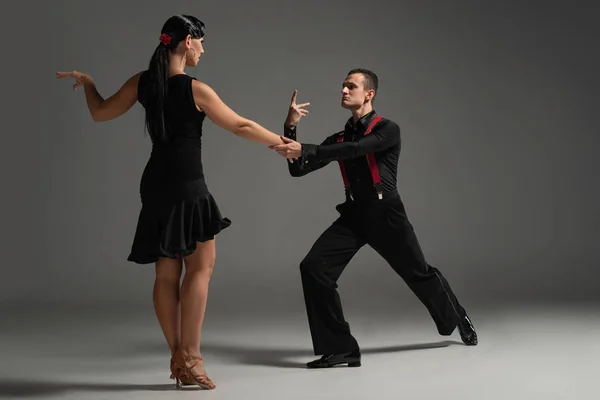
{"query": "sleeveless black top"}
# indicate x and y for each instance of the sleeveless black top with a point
(174, 170)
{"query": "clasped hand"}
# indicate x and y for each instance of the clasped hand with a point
(289, 149)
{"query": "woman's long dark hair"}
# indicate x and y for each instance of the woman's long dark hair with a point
(155, 87)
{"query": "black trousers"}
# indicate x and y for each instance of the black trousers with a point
(384, 226)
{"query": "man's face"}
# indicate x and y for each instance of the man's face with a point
(354, 94)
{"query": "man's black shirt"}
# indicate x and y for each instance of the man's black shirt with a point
(383, 141)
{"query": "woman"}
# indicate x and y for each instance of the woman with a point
(179, 217)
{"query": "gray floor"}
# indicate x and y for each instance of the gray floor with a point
(524, 353)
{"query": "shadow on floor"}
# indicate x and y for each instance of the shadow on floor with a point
(29, 388)
(279, 357)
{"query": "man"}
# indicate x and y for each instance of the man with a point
(367, 151)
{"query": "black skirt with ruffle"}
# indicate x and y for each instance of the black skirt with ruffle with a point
(172, 228)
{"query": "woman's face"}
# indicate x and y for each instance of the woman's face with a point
(193, 51)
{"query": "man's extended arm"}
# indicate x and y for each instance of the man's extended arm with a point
(385, 135)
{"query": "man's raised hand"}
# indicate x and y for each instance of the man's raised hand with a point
(296, 111)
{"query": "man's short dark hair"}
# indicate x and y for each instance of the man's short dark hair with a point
(371, 79)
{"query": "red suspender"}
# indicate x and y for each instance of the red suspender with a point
(370, 160)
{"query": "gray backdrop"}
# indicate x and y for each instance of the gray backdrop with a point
(496, 102)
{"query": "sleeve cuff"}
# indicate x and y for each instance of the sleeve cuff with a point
(289, 132)
(309, 152)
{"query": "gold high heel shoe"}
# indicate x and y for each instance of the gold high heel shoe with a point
(174, 373)
(185, 376)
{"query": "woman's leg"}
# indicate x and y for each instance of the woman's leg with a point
(166, 299)
(194, 295)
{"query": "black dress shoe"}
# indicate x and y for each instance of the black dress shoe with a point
(467, 331)
(329, 360)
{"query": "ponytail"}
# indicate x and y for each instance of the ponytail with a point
(156, 93)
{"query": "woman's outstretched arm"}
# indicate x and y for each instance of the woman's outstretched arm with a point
(218, 112)
(105, 109)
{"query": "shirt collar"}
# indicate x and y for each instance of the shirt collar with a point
(362, 122)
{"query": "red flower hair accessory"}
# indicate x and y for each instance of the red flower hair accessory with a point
(165, 39)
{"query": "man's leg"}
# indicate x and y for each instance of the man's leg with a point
(320, 271)
(393, 237)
